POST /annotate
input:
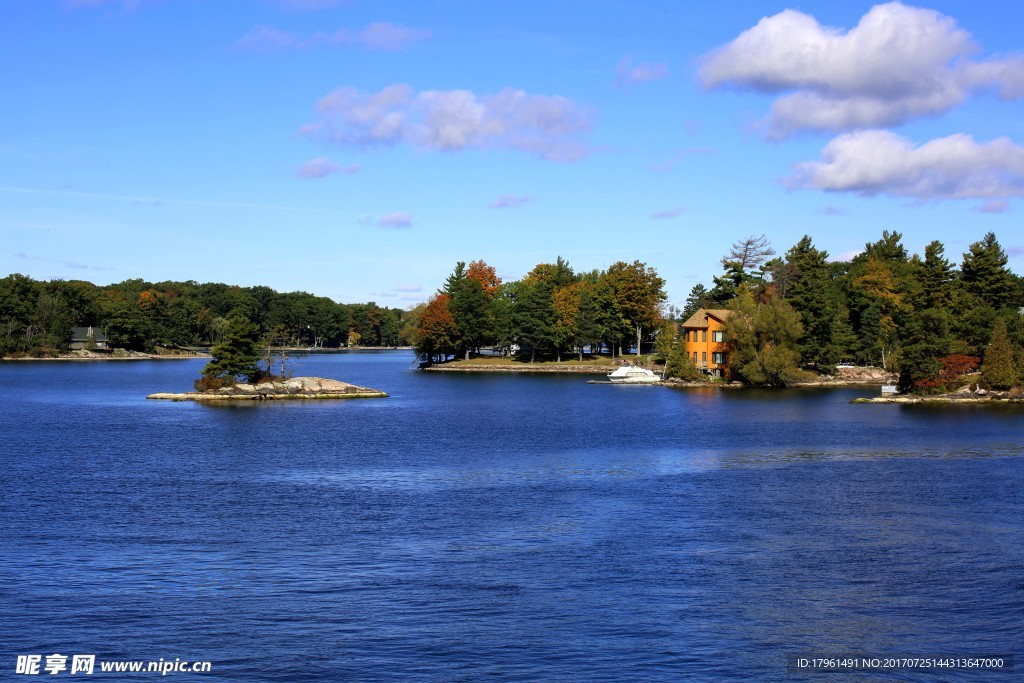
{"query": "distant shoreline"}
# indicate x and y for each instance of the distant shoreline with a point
(107, 357)
(121, 354)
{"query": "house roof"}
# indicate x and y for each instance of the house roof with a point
(699, 319)
(81, 334)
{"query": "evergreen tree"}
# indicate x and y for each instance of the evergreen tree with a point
(471, 307)
(937, 277)
(235, 357)
(743, 265)
(998, 369)
(985, 274)
(535, 316)
(809, 291)
(699, 298)
(925, 341)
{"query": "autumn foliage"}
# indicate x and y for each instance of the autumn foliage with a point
(954, 369)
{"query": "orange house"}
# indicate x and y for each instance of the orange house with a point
(705, 340)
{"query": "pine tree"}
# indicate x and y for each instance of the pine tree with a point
(699, 297)
(998, 369)
(235, 357)
(937, 276)
(985, 274)
(809, 292)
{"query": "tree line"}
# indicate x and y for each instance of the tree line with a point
(552, 311)
(922, 316)
(36, 316)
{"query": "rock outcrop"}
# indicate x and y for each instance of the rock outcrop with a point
(293, 388)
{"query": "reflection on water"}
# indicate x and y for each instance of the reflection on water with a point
(507, 527)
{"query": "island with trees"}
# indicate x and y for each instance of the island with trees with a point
(241, 369)
(793, 319)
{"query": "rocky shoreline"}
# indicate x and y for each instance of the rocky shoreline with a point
(958, 398)
(295, 388)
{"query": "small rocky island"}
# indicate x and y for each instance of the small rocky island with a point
(295, 388)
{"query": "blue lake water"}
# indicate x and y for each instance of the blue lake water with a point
(500, 527)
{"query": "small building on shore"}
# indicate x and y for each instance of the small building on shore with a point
(705, 340)
(89, 338)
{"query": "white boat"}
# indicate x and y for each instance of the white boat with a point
(629, 374)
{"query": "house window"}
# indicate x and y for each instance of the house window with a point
(704, 335)
(704, 357)
(718, 336)
(718, 358)
(694, 357)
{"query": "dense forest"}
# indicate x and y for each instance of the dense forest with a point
(924, 317)
(36, 317)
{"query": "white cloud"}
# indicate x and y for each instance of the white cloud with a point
(549, 126)
(897, 64)
(875, 162)
(321, 167)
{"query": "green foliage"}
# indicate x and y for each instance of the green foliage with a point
(534, 316)
(809, 291)
(925, 341)
(673, 353)
(699, 297)
(36, 317)
(986, 276)
(999, 370)
(763, 337)
(236, 356)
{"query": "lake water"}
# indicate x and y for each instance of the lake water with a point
(500, 527)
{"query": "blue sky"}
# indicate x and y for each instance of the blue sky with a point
(358, 149)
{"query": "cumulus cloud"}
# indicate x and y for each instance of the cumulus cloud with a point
(626, 73)
(377, 36)
(321, 167)
(510, 201)
(875, 162)
(668, 213)
(899, 63)
(549, 126)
